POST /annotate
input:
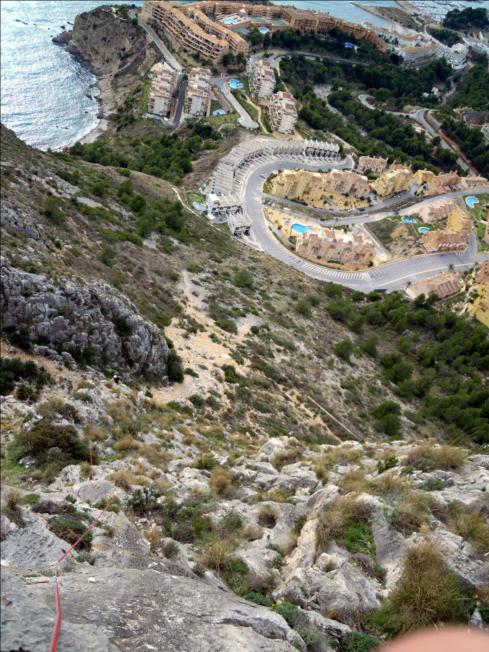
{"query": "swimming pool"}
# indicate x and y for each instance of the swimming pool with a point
(299, 228)
(199, 207)
(263, 30)
(471, 201)
(423, 229)
(235, 84)
(219, 112)
(409, 220)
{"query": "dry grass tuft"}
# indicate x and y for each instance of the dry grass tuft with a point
(267, 516)
(335, 517)
(428, 457)
(427, 593)
(221, 482)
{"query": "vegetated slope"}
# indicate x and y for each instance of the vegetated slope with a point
(234, 477)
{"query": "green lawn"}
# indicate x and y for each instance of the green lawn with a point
(145, 96)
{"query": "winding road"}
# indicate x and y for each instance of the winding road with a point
(389, 276)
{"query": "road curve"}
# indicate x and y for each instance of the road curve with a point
(390, 276)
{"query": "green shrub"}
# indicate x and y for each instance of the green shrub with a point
(107, 256)
(427, 593)
(230, 374)
(45, 435)
(344, 349)
(258, 598)
(145, 500)
(291, 613)
(358, 642)
(70, 529)
(175, 367)
(13, 370)
(243, 279)
(387, 418)
(52, 209)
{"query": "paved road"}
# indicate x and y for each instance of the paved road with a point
(245, 119)
(390, 276)
(167, 55)
(424, 119)
(372, 213)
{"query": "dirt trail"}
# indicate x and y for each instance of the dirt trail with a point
(205, 352)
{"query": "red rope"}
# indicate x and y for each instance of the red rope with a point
(57, 626)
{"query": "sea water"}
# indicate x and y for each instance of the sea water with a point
(47, 96)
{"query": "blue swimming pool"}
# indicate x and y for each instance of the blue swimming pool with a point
(219, 112)
(409, 220)
(423, 229)
(299, 228)
(235, 84)
(471, 201)
(263, 30)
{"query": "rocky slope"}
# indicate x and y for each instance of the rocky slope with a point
(310, 470)
(65, 319)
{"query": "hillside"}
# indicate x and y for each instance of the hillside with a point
(273, 463)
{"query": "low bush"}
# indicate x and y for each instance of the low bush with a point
(50, 443)
(175, 367)
(344, 349)
(427, 593)
(267, 516)
(70, 529)
(15, 370)
(358, 642)
(243, 279)
(344, 519)
(145, 500)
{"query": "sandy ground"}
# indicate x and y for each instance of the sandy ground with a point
(200, 351)
(96, 132)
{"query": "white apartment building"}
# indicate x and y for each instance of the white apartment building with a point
(262, 79)
(163, 85)
(198, 97)
(282, 112)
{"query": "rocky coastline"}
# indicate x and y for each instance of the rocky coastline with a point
(117, 53)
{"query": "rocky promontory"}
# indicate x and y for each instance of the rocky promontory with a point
(116, 49)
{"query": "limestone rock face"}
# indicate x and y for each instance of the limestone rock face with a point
(92, 320)
(133, 609)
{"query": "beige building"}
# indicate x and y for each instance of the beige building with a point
(443, 183)
(188, 28)
(315, 188)
(444, 241)
(423, 176)
(198, 96)
(163, 86)
(282, 112)
(392, 182)
(262, 79)
(334, 246)
(438, 211)
(442, 285)
(459, 220)
(377, 165)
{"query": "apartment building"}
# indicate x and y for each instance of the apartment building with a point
(444, 241)
(198, 96)
(347, 183)
(282, 112)
(188, 28)
(442, 285)
(459, 220)
(262, 79)
(376, 165)
(393, 182)
(443, 182)
(334, 246)
(438, 211)
(163, 86)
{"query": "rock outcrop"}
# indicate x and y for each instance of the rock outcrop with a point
(91, 321)
(116, 49)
